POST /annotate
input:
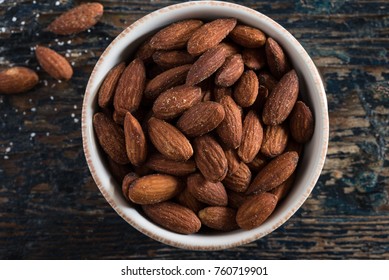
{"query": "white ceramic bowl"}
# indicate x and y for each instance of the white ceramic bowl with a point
(312, 92)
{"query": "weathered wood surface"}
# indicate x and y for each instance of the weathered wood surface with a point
(51, 208)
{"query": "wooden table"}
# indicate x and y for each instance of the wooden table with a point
(50, 207)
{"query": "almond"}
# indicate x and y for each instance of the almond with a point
(166, 80)
(162, 164)
(17, 80)
(263, 94)
(173, 216)
(230, 71)
(252, 136)
(174, 101)
(119, 115)
(153, 188)
(239, 180)
(201, 118)
(301, 123)
(207, 89)
(207, 192)
(118, 171)
(281, 100)
(258, 162)
(274, 173)
(185, 198)
(126, 182)
(206, 65)
(175, 35)
(170, 59)
(254, 59)
(230, 48)
(276, 58)
(282, 190)
(255, 210)
(230, 129)
(76, 20)
(235, 199)
(219, 218)
(246, 89)
(275, 139)
(267, 80)
(111, 138)
(136, 145)
(210, 158)
(129, 97)
(145, 52)
(108, 87)
(294, 146)
(53, 63)
(232, 160)
(220, 92)
(209, 35)
(247, 36)
(168, 140)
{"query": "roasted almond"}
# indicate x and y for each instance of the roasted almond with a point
(17, 80)
(246, 89)
(276, 58)
(282, 190)
(275, 139)
(185, 198)
(254, 59)
(258, 162)
(108, 87)
(247, 36)
(173, 216)
(230, 71)
(267, 80)
(239, 180)
(252, 135)
(236, 199)
(145, 52)
(126, 182)
(209, 35)
(274, 173)
(233, 161)
(230, 48)
(162, 164)
(219, 218)
(170, 59)
(201, 118)
(219, 92)
(207, 192)
(136, 144)
(230, 129)
(301, 123)
(168, 140)
(294, 146)
(53, 63)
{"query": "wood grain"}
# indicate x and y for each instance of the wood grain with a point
(51, 208)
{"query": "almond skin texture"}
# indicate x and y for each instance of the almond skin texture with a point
(219, 218)
(254, 59)
(53, 63)
(220, 92)
(153, 188)
(252, 137)
(235, 199)
(233, 161)
(207, 64)
(175, 101)
(136, 144)
(207, 192)
(276, 59)
(281, 100)
(209, 35)
(254, 211)
(185, 198)
(246, 89)
(162, 164)
(201, 118)
(230, 48)
(176, 35)
(111, 138)
(267, 80)
(239, 180)
(17, 80)
(258, 162)
(301, 123)
(247, 36)
(210, 158)
(107, 89)
(173, 216)
(127, 181)
(129, 90)
(275, 139)
(282, 190)
(170, 59)
(230, 71)
(77, 19)
(274, 173)
(170, 78)
(230, 129)
(168, 140)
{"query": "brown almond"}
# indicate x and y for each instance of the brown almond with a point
(17, 80)
(267, 80)
(219, 218)
(77, 19)
(168, 140)
(53, 63)
(171, 59)
(281, 100)
(173, 216)
(282, 190)
(207, 192)
(129, 97)
(263, 94)
(239, 180)
(162, 164)
(210, 158)
(230, 129)
(201, 118)
(301, 123)
(236, 199)
(255, 210)
(247, 36)
(276, 58)
(254, 59)
(176, 35)
(207, 64)
(145, 52)
(252, 135)
(294, 146)
(230, 71)
(111, 138)
(119, 115)
(136, 144)
(108, 87)
(185, 198)
(118, 171)
(275, 139)
(258, 162)
(274, 173)
(209, 35)
(206, 89)
(153, 188)
(230, 48)
(246, 89)
(233, 161)
(175, 101)
(219, 92)
(127, 181)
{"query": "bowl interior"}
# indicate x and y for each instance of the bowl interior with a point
(312, 92)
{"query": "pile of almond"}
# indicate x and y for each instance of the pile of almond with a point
(203, 127)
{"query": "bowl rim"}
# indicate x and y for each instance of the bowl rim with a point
(146, 227)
